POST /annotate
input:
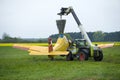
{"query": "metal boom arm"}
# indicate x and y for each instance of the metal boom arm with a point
(66, 11)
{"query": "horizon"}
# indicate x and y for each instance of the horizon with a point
(50, 35)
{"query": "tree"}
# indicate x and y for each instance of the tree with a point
(68, 36)
(98, 36)
(6, 39)
(6, 36)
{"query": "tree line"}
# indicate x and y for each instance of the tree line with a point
(6, 38)
(97, 36)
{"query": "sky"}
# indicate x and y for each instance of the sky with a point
(37, 18)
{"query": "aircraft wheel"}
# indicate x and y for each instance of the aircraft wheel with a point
(51, 57)
(69, 57)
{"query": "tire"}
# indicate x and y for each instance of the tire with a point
(51, 57)
(98, 55)
(69, 57)
(83, 55)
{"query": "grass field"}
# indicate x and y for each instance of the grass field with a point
(16, 64)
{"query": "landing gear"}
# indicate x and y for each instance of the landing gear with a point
(69, 57)
(51, 57)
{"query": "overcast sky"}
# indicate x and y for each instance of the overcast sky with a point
(37, 18)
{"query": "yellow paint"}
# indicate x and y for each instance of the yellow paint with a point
(22, 45)
(46, 53)
(61, 44)
(60, 48)
(39, 49)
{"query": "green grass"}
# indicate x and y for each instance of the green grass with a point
(16, 64)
